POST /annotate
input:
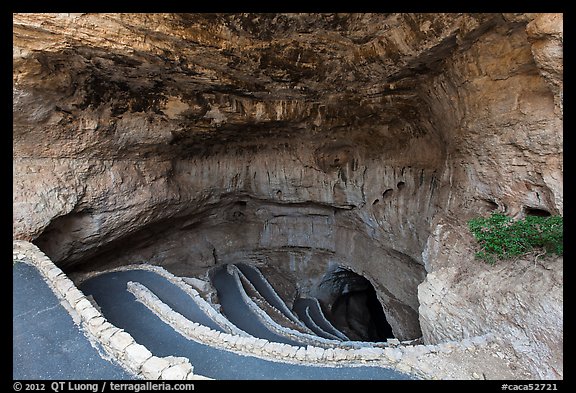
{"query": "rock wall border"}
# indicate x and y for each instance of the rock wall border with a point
(121, 346)
(335, 331)
(272, 325)
(404, 356)
(116, 342)
(187, 288)
(308, 339)
(401, 358)
(285, 309)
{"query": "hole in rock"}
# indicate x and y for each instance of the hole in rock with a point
(400, 185)
(356, 310)
(489, 204)
(532, 211)
(386, 193)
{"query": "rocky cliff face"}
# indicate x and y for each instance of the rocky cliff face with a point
(299, 142)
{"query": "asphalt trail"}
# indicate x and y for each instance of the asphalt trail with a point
(120, 308)
(46, 344)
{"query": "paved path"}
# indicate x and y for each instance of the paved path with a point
(319, 318)
(238, 312)
(121, 309)
(166, 291)
(316, 315)
(313, 318)
(264, 287)
(46, 342)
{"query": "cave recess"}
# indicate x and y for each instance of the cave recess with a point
(300, 144)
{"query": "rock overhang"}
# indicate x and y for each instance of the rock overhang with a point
(401, 125)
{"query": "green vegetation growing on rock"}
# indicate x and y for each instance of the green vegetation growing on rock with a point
(500, 237)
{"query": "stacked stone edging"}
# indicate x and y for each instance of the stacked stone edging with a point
(308, 339)
(265, 318)
(402, 358)
(245, 345)
(121, 346)
(193, 293)
(263, 303)
(336, 332)
(116, 342)
(285, 309)
(316, 326)
(305, 338)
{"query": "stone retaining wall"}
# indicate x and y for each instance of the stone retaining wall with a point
(273, 325)
(260, 300)
(194, 295)
(285, 309)
(402, 358)
(308, 339)
(441, 361)
(223, 322)
(316, 326)
(117, 343)
(327, 322)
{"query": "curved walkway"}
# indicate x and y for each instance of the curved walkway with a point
(47, 344)
(263, 286)
(120, 308)
(314, 329)
(317, 316)
(268, 316)
(239, 313)
(272, 312)
(302, 310)
(166, 291)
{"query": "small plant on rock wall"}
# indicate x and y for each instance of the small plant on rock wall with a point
(500, 237)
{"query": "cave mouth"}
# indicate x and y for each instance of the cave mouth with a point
(533, 211)
(355, 308)
(303, 249)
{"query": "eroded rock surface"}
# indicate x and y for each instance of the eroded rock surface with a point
(297, 142)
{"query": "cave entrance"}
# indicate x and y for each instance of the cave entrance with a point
(355, 309)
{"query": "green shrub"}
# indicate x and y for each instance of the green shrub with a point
(500, 237)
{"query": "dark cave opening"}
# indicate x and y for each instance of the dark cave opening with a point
(356, 310)
(532, 211)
